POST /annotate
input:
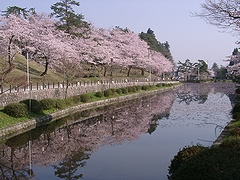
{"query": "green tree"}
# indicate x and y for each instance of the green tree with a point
(166, 45)
(215, 67)
(222, 72)
(203, 67)
(18, 11)
(150, 38)
(69, 21)
(155, 45)
(235, 51)
(186, 67)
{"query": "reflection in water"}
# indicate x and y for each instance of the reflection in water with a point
(68, 147)
(97, 143)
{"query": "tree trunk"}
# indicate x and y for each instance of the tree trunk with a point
(105, 71)
(10, 63)
(66, 89)
(121, 69)
(142, 73)
(46, 67)
(129, 69)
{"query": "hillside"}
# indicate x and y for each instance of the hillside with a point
(18, 75)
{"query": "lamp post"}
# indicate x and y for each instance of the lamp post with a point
(28, 82)
(28, 77)
(198, 73)
(150, 74)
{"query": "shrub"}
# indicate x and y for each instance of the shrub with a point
(69, 101)
(131, 89)
(99, 94)
(60, 103)
(236, 108)
(119, 91)
(107, 92)
(134, 89)
(75, 99)
(213, 163)
(237, 91)
(236, 116)
(33, 105)
(48, 104)
(183, 156)
(138, 88)
(124, 90)
(145, 88)
(235, 132)
(113, 91)
(159, 85)
(16, 110)
(84, 98)
(232, 142)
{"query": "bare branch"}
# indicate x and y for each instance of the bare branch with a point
(224, 14)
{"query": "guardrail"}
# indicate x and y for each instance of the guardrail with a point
(61, 85)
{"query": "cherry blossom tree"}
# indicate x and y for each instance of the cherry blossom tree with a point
(56, 47)
(68, 63)
(44, 40)
(233, 68)
(125, 48)
(98, 48)
(132, 50)
(13, 34)
(159, 64)
(38, 36)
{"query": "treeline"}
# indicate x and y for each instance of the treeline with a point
(155, 45)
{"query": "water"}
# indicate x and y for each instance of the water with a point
(131, 140)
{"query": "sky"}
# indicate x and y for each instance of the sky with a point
(171, 20)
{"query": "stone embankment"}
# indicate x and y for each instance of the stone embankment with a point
(223, 134)
(61, 92)
(19, 128)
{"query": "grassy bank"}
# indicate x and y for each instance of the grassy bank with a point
(87, 73)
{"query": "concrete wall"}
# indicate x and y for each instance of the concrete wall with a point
(56, 93)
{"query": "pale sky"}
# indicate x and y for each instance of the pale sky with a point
(189, 37)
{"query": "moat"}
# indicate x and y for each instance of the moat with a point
(132, 140)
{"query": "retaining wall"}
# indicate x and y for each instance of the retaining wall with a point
(59, 93)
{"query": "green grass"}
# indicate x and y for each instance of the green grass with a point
(6, 120)
(233, 128)
(18, 74)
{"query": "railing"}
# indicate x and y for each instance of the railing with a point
(42, 86)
